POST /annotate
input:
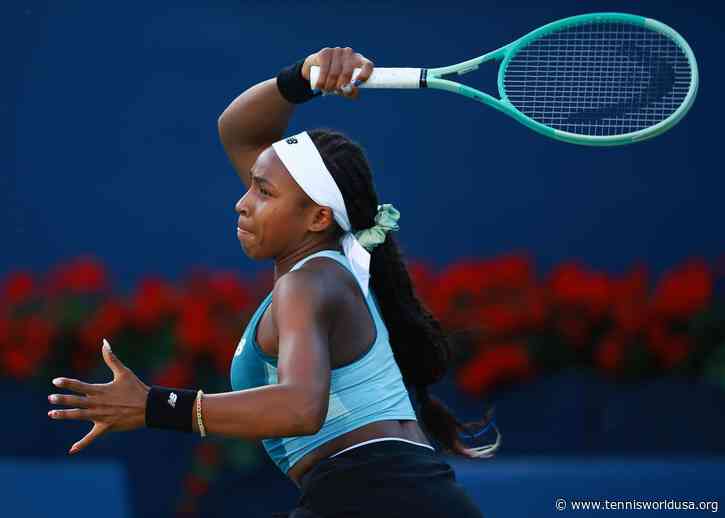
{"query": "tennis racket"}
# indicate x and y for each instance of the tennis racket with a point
(600, 79)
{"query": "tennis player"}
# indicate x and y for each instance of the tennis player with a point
(322, 372)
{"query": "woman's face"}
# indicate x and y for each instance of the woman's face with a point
(275, 213)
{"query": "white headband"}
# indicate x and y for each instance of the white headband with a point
(300, 156)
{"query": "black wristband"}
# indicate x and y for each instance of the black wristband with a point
(293, 87)
(170, 408)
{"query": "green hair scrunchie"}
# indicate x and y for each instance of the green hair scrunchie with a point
(386, 220)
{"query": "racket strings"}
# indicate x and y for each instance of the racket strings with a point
(599, 79)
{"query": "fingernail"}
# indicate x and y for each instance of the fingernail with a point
(53, 398)
(347, 89)
(56, 382)
(106, 344)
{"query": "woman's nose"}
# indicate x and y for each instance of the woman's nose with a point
(241, 207)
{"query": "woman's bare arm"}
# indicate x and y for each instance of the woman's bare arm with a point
(253, 121)
(260, 115)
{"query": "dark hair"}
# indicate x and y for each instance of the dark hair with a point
(420, 346)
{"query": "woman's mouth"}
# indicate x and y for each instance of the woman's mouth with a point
(241, 232)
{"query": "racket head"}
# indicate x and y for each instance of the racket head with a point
(601, 79)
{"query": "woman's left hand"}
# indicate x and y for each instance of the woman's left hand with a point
(116, 406)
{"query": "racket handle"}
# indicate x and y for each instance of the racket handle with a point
(380, 78)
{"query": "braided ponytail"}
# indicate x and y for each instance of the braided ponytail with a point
(420, 347)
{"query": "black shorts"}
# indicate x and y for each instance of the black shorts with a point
(385, 479)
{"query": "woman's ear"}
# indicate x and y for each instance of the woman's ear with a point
(322, 219)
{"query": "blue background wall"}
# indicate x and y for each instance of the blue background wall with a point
(114, 148)
(109, 146)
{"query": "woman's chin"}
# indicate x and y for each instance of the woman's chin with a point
(250, 252)
(243, 236)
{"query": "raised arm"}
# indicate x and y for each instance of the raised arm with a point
(259, 116)
(253, 121)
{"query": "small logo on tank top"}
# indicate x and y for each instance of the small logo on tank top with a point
(172, 399)
(240, 347)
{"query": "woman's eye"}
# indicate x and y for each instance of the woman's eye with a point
(262, 190)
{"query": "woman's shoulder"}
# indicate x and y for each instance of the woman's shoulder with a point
(320, 277)
(331, 273)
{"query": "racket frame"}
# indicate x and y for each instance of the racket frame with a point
(508, 52)
(432, 78)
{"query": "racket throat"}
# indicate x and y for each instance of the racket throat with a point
(424, 78)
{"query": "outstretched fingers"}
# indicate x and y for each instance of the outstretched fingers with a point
(68, 400)
(82, 414)
(97, 430)
(79, 386)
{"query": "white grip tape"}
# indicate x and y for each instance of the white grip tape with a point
(380, 78)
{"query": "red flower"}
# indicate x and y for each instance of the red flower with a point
(510, 272)
(575, 329)
(634, 285)
(227, 288)
(630, 313)
(18, 287)
(683, 291)
(17, 363)
(447, 285)
(38, 334)
(502, 319)
(493, 366)
(498, 295)
(154, 300)
(537, 307)
(630, 317)
(83, 275)
(33, 336)
(27, 343)
(573, 286)
(195, 327)
(485, 280)
(177, 374)
(610, 353)
(105, 323)
(5, 330)
(669, 348)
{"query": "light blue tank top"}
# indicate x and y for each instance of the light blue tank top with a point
(369, 389)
